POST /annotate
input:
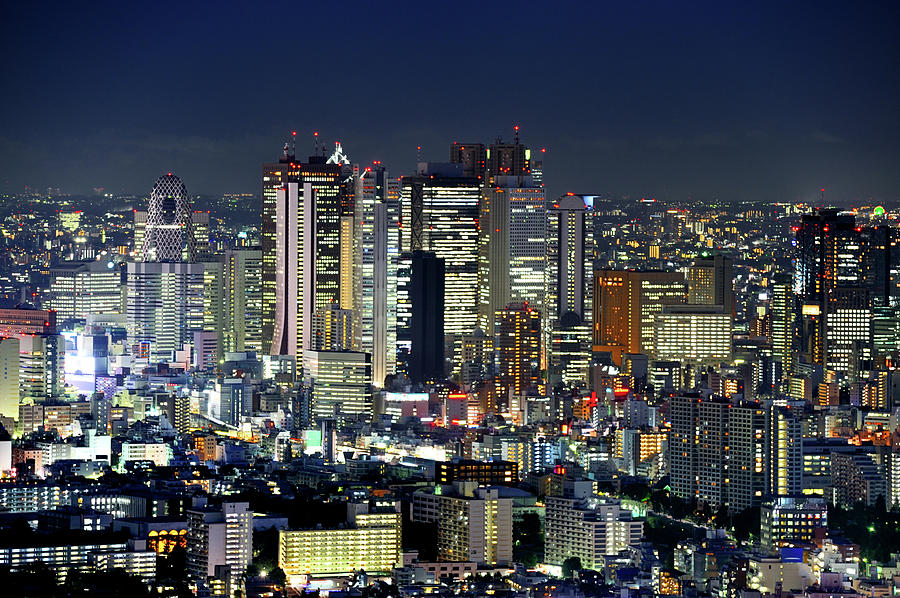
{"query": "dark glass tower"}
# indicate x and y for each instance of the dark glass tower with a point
(426, 358)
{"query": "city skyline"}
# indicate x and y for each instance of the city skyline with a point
(556, 301)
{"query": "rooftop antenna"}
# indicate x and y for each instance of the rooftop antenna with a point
(315, 143)
(293, 143)
(822, 196)
(516, 129)
(418, 153)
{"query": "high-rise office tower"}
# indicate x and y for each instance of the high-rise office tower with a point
(327, 177)
(404, 311)
(340, 384)
(165, 307)
(569, 351)
(472, 156)
(349, 262)
(848, 339)
(570, 257)
(625, 303)
(711, 282)
(692, 333)
(378, 217)
(203, 250)
(783, 312)
(512, 246)
(243, 300)
(517, 344)
(295, 269)
(81, 288)
(274, 177)
(169, 234)
(440, 214)
(830, 254)
(214, 304)
(427, 292)
(140, 233)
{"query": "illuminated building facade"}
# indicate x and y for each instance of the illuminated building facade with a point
(784, 316)
(217, 536)
(789, 520)
(378, 209)
(440, 215)
(512, 246)
(295, 276)
(517, 345)
(486, 473)
(165, 307)
(711, 282)
(570, 257)
(169, 234)
(830, 269)
(474, 524)
(243, 300)
(332, 329)
(370, 541)
(588, 527)
(625, 303)
(340, 384)
(326, 178)
(695, 333)
(81, 288)
(784, 450)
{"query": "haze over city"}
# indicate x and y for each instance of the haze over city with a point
(770, 101)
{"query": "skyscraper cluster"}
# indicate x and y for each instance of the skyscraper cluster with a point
(393, 380)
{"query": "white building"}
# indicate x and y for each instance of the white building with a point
(81, 288)
(221, 535)
(588, 527)
(165, 307)
(160, 454)
(695, 333)
(474, 524)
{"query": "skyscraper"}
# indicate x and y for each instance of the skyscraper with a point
(169, 234)
(378, 210)
(165, 307)
(783, 310)
(570, 257)
(327, 177)
(295, 269)
(512, 246)
(784, 450)
(440, 215)
(517, 343)
(426, 297)
(830, 254)
(625, 303)
(243, 300)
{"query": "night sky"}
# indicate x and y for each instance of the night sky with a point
(673, 100)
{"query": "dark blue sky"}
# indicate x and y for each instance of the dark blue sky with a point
(768, 100)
